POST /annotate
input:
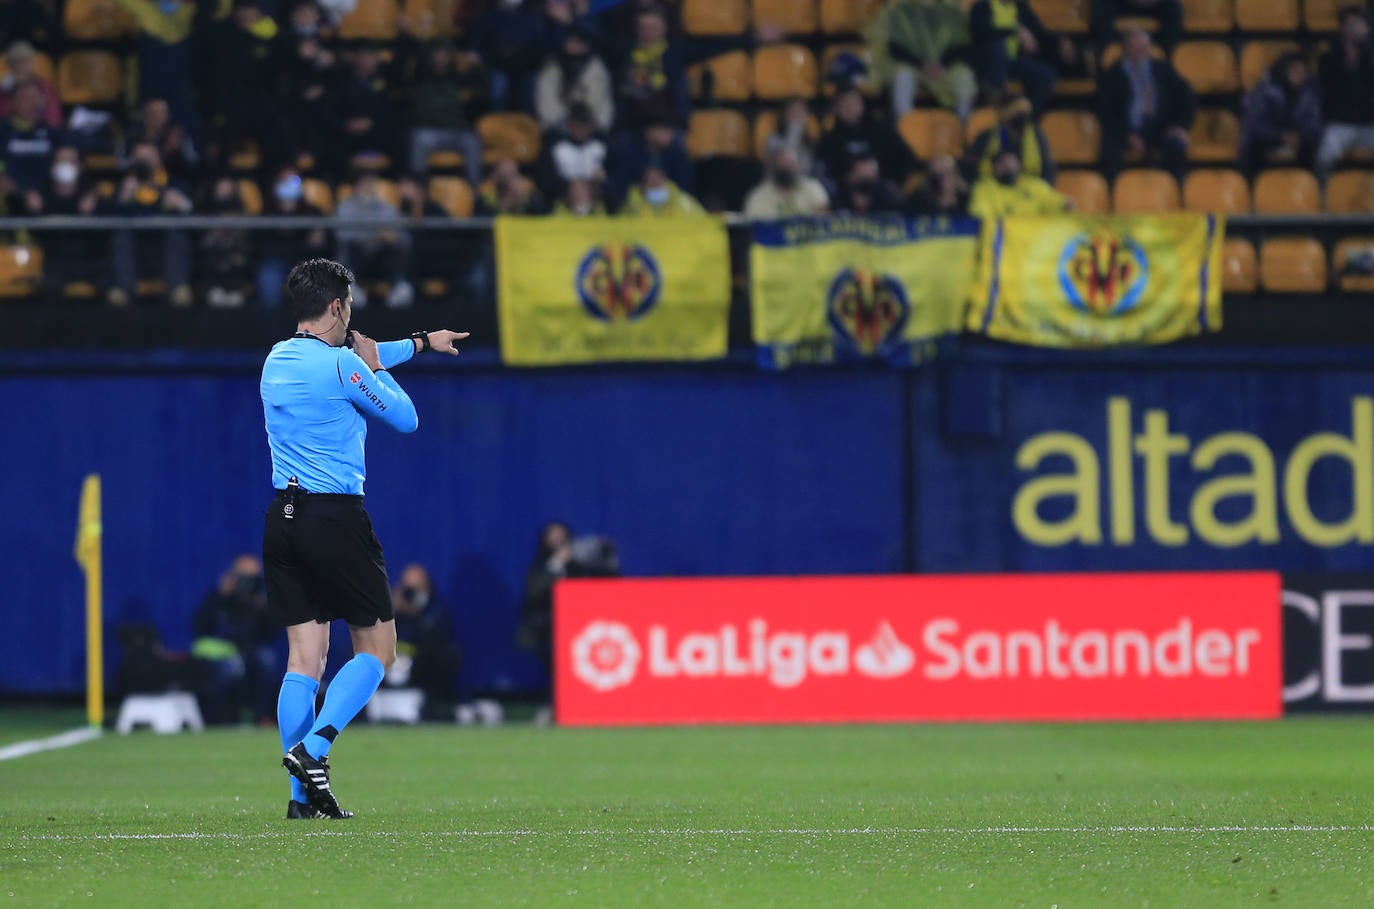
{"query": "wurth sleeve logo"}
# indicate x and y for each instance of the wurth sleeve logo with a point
(371, 396)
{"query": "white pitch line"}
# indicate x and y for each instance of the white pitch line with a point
(61, 740)
(774, 831)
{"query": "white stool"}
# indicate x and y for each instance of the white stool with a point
(396, 705)
(164, 713)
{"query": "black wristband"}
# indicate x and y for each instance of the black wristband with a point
(423, 338)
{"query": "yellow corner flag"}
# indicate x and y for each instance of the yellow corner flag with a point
(87, 552)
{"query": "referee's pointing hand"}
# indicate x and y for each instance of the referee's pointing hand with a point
(445, 341)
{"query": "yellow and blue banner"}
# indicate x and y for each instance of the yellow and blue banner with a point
(1068, 281)
(585, 290)
(849, 289)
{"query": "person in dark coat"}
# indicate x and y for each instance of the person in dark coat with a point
(1146, 108)
(1010, 42)
(1346, 73)
(424, 637)
(855, 134)
(1283, 117)
(234, 636)
(1168, 13)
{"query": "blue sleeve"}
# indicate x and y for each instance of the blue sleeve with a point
(394, 353)
(376, 395)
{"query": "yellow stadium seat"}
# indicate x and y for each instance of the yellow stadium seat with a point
(1340, 257)
(1287, 191)
(1216, 190)
(1258, 56)
(318, 194)
(784, 71)
(21, 270)
(1208, 66)
(452, 194)
(714, 133)
(1267, 15)
(95, 20)
(1293, 265)
(1215, 136)
(1087, 189)
(868, 86)
(250, 196)
(1208, 16)
(1073, 135)
(1145, 191)
(443, 160)
(732, 77)
(89, 77)
(1350, 192)
(1238, 266)
(1069, 16)
(981, 120)
(387, 189)
(847, 17)
(1112, 53)
(715, 17)
(509, 136)
(767, 124)
(793, 17)
(371, 20)
(932, 132)
(428, 19)
(1321, 15)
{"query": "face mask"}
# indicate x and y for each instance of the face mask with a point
(305, 31)
(1017, 123)
(247, 585)
(65, 172)
(785, 178)
(288, 190)
(658, 195)
(415, 596)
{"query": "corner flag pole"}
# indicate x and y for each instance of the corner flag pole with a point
(87, 551)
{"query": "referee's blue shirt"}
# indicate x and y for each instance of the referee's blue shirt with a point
(316, 398)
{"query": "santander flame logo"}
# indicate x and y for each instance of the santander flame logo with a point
(606, 655)
(884, 657)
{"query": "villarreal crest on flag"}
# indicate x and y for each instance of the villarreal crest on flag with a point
(583, 290)
(844, 289)
(1098, 281)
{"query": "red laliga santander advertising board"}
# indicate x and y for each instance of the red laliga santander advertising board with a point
(876, 649)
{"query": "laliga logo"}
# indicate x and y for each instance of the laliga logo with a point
(605, 655)
(1103, 274)
(867, 310)
(618, 282)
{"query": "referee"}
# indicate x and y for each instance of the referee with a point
(320, 557)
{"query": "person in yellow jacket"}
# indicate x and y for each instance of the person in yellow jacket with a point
(658, 197)
(1010, 192)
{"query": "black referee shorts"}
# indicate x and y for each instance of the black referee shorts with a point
(324, 562)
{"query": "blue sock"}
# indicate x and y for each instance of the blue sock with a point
(295, 716)
(347, 694)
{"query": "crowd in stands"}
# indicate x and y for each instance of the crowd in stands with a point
(363, 109)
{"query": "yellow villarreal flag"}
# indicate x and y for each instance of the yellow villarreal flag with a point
(843, 289)
(1071, 281)
(88, 530)
(582, 290)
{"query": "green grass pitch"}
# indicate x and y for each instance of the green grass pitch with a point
(1176, 815)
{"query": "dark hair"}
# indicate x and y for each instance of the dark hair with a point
(315, 283)
(1357, 11)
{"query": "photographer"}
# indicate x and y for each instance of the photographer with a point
(234, 637)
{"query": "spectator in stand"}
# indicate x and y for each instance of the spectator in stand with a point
(306, 84)
(1015, 130)
(575, 76)
(77, 255)
(426, 656)
(1010, 42)
(1145, 108)
(865, 192)
(364, 110)
(246, 81)
(439, 118)
(225, 256)
(658, 197)
(278, 250)
(856, 135)
(659, 142)
(1346, 72)
(794, 120)
(652, 84)
(943, 192)
(581, 199)
(19, 61)
(25, 20)
(925, 40)
(575, 154)
(144, 190)
(1010, 192)
(235, 637)
(179, 154)
(503, 45)
(27, 146)
(431, 250)
(370, 251)
(1168, 13)
(785, 191)
(1283, 117)
(164, 53)
(508, 192)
